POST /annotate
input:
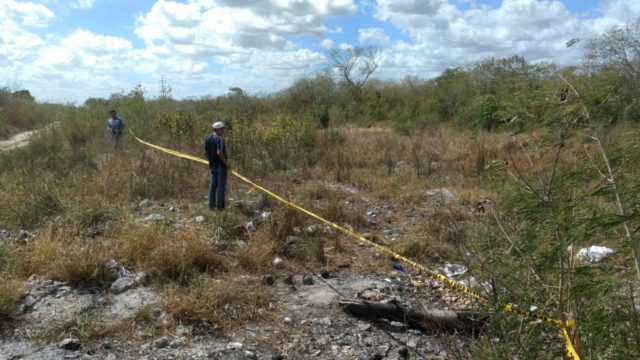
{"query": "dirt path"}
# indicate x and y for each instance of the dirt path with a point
(21, 139)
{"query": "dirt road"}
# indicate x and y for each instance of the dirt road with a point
(21, 139)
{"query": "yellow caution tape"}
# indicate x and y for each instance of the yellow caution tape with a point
(564, 325)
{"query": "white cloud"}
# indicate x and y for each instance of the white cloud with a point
(82, 4)
(373, 35)
(16, 43)
(443, 35)
(25, 13)
(327, 43)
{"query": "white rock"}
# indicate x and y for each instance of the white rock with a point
(122, 284)
(234, 345)
(200, 219)
(29, 301)
(278, 263)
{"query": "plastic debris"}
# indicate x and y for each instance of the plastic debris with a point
(594, 253)
(454, 270)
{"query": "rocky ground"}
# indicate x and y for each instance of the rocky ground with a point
(305, 318)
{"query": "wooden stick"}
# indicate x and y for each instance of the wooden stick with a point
(428, 319)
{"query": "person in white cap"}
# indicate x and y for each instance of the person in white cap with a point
(216, 152)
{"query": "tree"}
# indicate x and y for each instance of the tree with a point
(618, 48)
(23, 95)
(355, 64)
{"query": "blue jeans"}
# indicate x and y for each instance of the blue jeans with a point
(217, 187)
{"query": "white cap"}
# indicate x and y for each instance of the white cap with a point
(218, 125)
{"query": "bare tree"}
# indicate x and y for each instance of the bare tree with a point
(355, 64)
(618, 48)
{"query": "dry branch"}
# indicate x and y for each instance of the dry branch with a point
(428, 319)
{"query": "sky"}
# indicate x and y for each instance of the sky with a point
(70, 50)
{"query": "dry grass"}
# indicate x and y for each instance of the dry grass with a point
(208, 303)
(438, 237)
(168, 255)
(10, 293)
(59, 253)
(87, 328)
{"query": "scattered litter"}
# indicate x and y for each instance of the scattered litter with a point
(594, 253)
(398, 266)
(454, 270)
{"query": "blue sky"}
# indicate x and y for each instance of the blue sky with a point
(68, 50)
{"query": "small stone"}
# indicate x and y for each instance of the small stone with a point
(376, 356)
(176, 343)
(403, 352)
(140, 278)
(277, 357)
(144, 203)
(69, 344)
(288, 279)
(184, 330)
(234, 345)
(250, 354)
(325, 274)
(292, 240)
(307, 280)
(267, 280)
(106, 345)
(53, 288)
(288, 320)
(322, 321)
(174, 209)
(364, 327)
(19, 310)
(200, 219)
(29, 301)
(278, 263)
(121, 285)
(161, 342)
(111, 356)
(63, 291)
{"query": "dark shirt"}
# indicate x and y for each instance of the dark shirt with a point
(212, 144)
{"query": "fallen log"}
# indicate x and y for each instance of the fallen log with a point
(470, 322)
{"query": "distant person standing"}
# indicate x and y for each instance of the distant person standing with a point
(115, 127)
(216, 152)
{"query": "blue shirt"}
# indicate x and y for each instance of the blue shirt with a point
(116, 124)
(212, 144)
